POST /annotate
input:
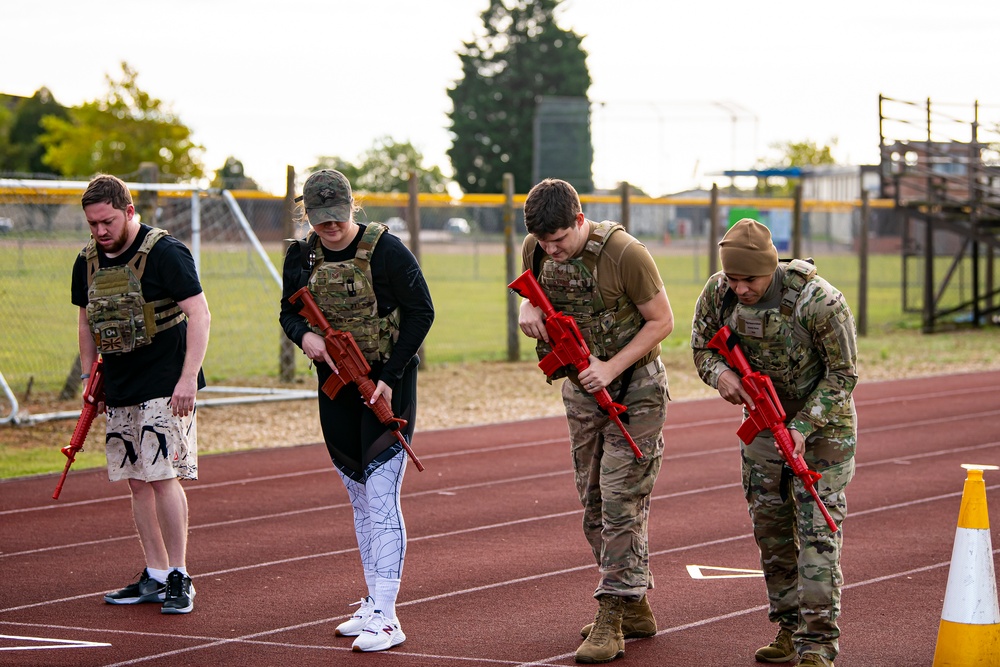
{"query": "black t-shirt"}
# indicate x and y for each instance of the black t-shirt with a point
(150, 371)
(398, 283)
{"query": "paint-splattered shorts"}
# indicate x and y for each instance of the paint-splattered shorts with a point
(148, 443)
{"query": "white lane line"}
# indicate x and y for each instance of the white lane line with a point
(253, 639)
(469, 452)
(510, 480)
(754, 610)
(702, 572)
(47, 643)
(669, 426)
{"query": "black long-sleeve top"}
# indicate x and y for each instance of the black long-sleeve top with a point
(398, 283)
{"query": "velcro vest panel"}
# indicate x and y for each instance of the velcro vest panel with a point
(119, 316)
(572, 288)
(345, 292)
(797, 274)
(772, 340)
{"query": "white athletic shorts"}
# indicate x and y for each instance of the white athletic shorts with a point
(148, 443)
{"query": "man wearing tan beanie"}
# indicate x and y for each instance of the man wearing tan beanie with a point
(746, 249)
(796, 328)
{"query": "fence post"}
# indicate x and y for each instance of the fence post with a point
(146, 202)
(413, 224)
(513, 343)
(713, 231)
(413, 214)
(863, 265)
(71, 388)
(797, 222)
(286, 355)
(626, 217)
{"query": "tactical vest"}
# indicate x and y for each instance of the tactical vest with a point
(120, 318)
(345, 292)
(772, 341)
(572, 288)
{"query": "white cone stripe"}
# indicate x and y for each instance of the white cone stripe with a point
(971, 596)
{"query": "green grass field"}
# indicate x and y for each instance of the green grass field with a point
(469, 291)
(470, 297)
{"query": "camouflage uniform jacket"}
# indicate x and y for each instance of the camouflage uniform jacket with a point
(808, 347)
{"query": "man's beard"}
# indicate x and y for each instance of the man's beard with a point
(118, 243)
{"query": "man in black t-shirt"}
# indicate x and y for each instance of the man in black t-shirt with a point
(143, 310)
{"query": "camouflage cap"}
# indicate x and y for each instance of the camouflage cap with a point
(327, 195)
(747, 250)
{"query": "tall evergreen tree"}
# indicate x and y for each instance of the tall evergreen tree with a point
(522, 57)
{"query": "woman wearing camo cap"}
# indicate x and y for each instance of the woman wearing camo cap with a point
(366, 282)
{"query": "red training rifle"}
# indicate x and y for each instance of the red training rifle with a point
(93, 394)
(766, 413)
(568, 347)
(352, 367)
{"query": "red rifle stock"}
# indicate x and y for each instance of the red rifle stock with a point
(352, 367)
(767, 413)
(568, 347)
(93, 394)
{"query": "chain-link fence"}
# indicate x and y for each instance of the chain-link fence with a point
(43, 229)
(461, 243)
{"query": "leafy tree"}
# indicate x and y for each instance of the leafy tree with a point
(21, 149)
(386, 167)
(801, 154)
(788, 154)
(522, 57)
(338, 163)
(231, 176)
(119, 132)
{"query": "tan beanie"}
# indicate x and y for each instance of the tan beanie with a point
(747, 250)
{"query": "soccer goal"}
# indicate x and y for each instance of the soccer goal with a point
(43, 229)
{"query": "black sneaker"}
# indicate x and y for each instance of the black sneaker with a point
(144, 590)
(179, 595)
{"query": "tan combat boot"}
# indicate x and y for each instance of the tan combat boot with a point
(605, 641)
(815, 660)
(780, 650)
(637, 621)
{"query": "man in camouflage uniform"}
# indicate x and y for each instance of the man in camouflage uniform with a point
(607, 281)
(798, 329)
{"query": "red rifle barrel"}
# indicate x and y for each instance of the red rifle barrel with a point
(93, 394)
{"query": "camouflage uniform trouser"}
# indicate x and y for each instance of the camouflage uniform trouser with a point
(613, 487)
(799, 554)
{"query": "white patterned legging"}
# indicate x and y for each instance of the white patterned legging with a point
(378, 518)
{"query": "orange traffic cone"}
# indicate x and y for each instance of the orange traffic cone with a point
(969, 634)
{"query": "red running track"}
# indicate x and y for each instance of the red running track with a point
(497, 571)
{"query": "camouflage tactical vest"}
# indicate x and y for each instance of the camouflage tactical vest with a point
(120, 319)
(344, 291)
(572, 288)
(772, 341)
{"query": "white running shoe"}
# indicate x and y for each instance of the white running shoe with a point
(353, 626)
(379, 634)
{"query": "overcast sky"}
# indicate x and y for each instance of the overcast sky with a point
(681, 89)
